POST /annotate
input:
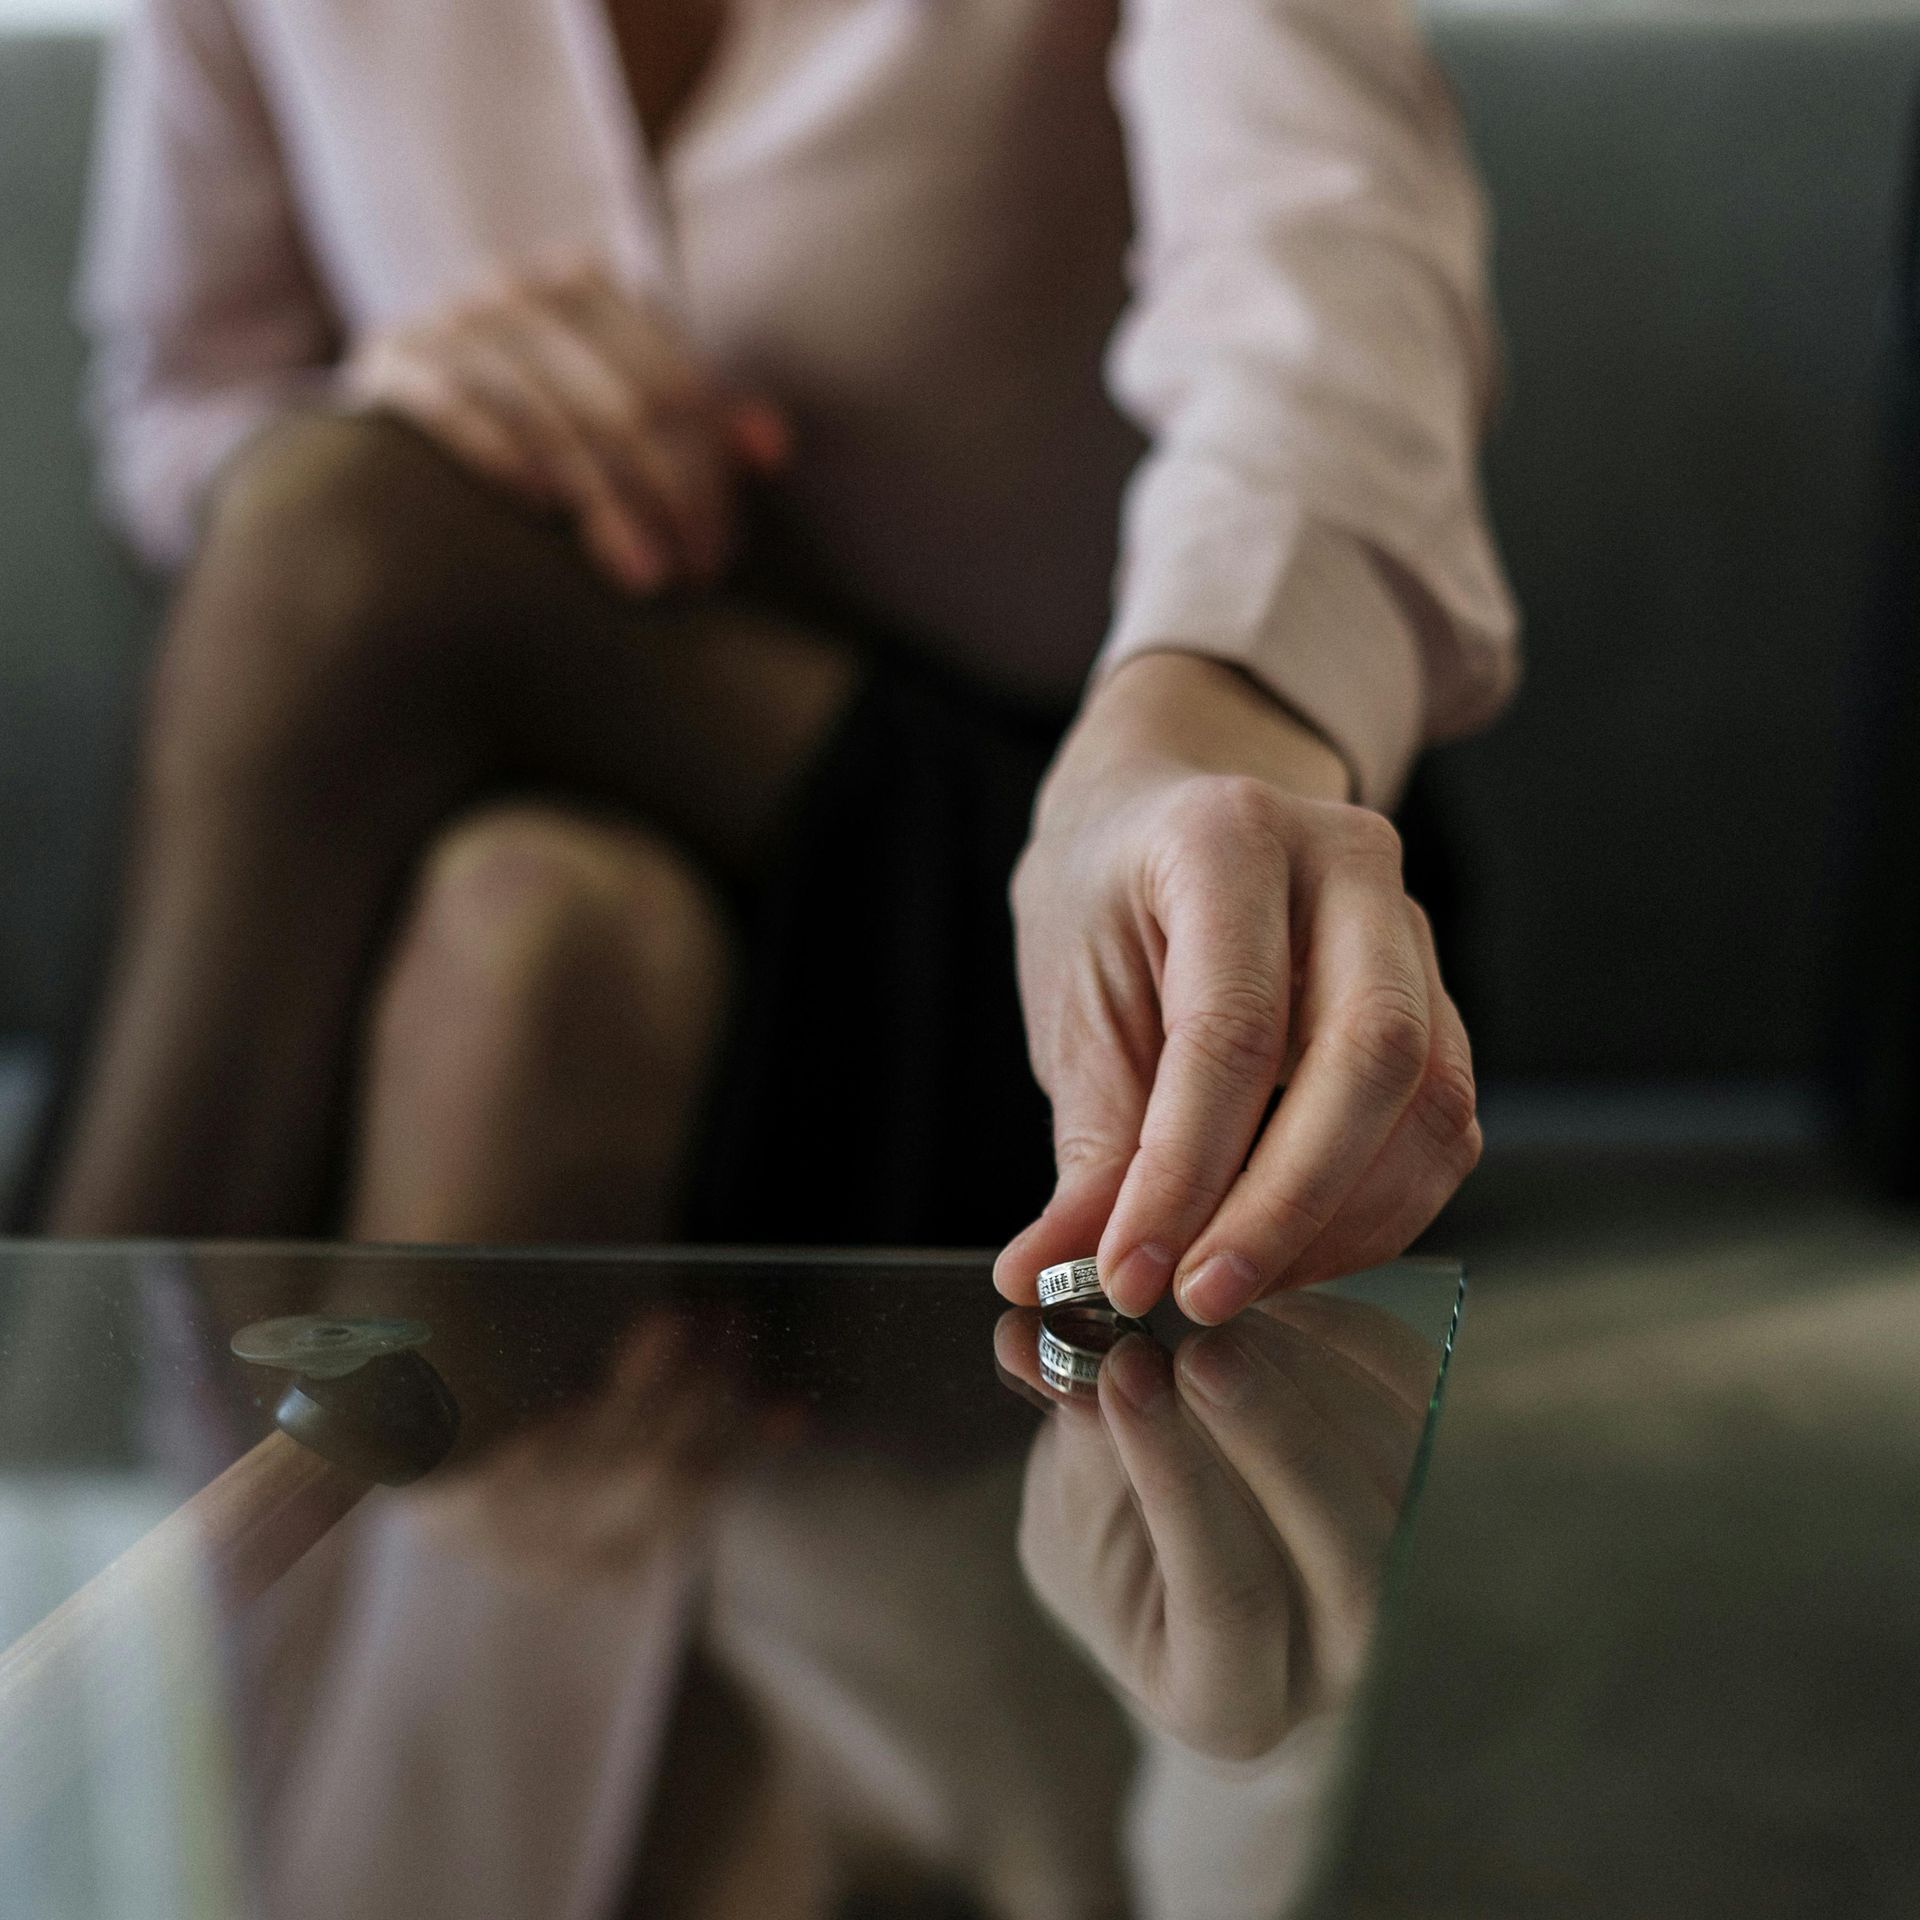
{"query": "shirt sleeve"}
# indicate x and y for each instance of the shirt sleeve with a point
(205, 317)
(1310, 350)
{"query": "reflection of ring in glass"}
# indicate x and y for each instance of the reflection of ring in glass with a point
(1073, 1342)
(1070, 1280)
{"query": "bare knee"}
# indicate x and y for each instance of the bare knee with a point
(545, 951)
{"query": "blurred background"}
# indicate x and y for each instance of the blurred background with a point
(1681, 864)
(1687, 935)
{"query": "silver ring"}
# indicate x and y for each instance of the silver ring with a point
(1070, 1280)
(1075, 1340)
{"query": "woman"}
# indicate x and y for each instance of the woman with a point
(646, 501)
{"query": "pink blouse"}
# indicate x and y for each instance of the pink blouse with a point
(1197, 361)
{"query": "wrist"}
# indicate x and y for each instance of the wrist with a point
(1184, 712)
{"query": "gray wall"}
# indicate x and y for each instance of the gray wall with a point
(1696, 236)
(67, 609)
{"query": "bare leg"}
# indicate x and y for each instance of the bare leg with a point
(368, 639)
(542, 1037)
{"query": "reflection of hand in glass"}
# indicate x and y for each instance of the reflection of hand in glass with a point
(607, 1479)
(1214, 1527)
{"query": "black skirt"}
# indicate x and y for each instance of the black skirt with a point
(875, 1089)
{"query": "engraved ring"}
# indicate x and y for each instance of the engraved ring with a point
(1070, 1280)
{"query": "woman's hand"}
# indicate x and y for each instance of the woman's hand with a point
(570, 392)
(1214, 1530)
(1200, 917)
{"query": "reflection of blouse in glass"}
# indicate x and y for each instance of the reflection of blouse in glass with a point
(909, 223)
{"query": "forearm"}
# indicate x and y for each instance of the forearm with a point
(1309, 353)
(204, 311)
(165, 453)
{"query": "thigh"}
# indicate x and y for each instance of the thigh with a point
(330, 639)
(701, 716)
(361, 597)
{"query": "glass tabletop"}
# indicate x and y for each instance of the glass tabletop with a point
(682, 1583)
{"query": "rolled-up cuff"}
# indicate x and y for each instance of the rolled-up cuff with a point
(1303, 608)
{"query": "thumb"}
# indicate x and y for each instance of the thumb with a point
(1096, 1131)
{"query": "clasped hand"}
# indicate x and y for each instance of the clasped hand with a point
(573, 393)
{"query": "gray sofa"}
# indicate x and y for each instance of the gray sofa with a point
(1696, 228)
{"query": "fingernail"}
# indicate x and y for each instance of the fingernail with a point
(1139, 1372)
(1141, 1278)
(1219, 1288)
(1217, 1369)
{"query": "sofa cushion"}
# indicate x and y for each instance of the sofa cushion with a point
(69, 613)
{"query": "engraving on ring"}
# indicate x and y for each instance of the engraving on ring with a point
(1070, 1280)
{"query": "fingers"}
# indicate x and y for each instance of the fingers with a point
(1214, 1528)
(1368, 1336)
(1016, 1336)
(568, 391)
(1378, 1429)
(648, 408)
(1216, 1558)
(1306, 1466)
(639, 340)
(1091, 1065)
(1269, 938)
(1367, 1027)
(1016, 1356)
(1245, 879)
(1091, 1169)
(1225, 1672)
(1224, 995)
(1079, 1542)
(682, 393)
(625, 477)
(687, 425)
(459, 381)
(508, 378)
(758, 433)
(428, 391)
(1432, 1149)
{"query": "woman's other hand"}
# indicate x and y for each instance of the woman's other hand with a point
(572, 393)
(1201, 916)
